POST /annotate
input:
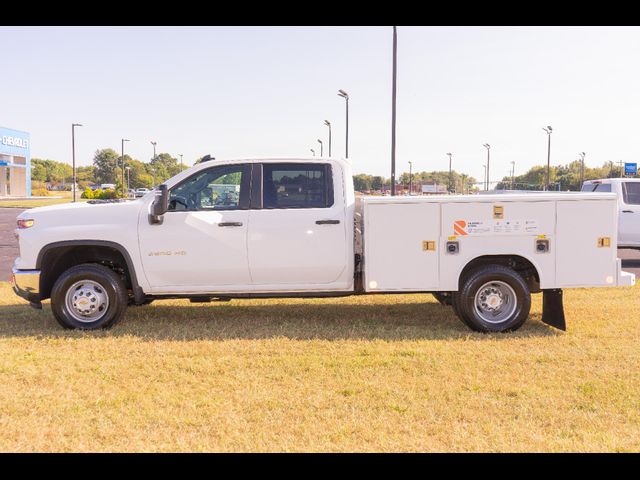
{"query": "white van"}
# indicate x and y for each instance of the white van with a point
(628, 190)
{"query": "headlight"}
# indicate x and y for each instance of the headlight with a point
(26, 222)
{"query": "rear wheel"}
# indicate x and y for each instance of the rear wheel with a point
(88, 296)
(493, 298)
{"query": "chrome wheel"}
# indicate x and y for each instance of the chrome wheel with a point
(86, 301)
(495, 302)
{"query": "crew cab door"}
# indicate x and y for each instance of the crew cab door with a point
(629, 224)
(297, 232)
(201, 245)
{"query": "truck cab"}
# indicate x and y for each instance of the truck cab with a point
(628, 192)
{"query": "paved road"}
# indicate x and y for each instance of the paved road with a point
(9, 246)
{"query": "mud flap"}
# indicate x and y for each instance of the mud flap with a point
(553, 309)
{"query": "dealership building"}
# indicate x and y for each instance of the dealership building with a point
(15, 163)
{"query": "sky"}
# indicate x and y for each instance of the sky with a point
(237, 92)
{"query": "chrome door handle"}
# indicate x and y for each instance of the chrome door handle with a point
(230, 224)
(327, 222)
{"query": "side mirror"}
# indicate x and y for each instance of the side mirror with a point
(160, 205)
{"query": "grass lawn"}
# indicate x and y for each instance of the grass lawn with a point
(369, 373)
(41, 202)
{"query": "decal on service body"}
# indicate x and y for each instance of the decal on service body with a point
(487, 227)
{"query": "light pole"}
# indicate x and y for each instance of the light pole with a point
(73, 155)
(488, 147)
(153, 172)
(321, 149)
(548, 129)
(313, 151)
(345, 95)
(180, 159)
(128, 178)
(328, 124)
(450, 177)
(410, 178)
(463, 182)
(154, 149)
(582, 154)
(393, 111)
(513, 173)
(484, 178)
(122, 143)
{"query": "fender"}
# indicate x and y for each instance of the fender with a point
(138, 293)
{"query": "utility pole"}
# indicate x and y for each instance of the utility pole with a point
(582, 154)
(410, 178)
(513, 174)
(393, 112)
(123, 140)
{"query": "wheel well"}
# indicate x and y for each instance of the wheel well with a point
(58, 259)
(520, 264)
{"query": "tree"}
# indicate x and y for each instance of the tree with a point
(362, 182)
(104, 162)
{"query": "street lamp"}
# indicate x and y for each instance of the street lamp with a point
(73, 154)
(582, 154)
(410, 178)
(154, 149)
(313, 151)
(484, 178)
(321, 149)
(450, 177)
(393, 110)
(180, 159)
(548, 129)
(513, 173)
(128, 178)
(488, 147)
(328, 124)
(345, 95)
(123, 140)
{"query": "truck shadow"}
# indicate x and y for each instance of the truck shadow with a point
(298, 320)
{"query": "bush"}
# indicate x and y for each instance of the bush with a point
(108, 194)
(88, 193)
(39, 189)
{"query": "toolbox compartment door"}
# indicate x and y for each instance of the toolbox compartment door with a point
(396, 255)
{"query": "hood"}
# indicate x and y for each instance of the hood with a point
(83, 213)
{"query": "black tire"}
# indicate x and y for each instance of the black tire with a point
(444, 298)
(493, 278)
(146, 301)
(112, 286)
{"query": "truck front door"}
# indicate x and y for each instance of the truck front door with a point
(629, 225)
(201, 244)
(297, 236)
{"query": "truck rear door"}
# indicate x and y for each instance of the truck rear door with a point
(297, 233)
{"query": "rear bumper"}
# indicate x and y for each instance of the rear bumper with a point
(26, 284)
(625, 279)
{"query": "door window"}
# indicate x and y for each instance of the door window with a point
(603, 187)
(218, 188)
(292, 185)
(631, 193)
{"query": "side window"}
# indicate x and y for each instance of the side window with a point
(603, 187)
(631, 193)
(297, 185)
(588, 187)
(218, 188)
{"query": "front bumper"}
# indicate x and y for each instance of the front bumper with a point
(26, 284)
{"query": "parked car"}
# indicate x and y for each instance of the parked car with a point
(141, 192)
(628, 190)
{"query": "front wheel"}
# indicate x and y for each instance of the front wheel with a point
(88, 297)
(493, 298)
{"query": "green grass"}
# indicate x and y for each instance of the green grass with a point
(367, 373)
(40, 202)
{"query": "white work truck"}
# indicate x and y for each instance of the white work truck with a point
(294, 227)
